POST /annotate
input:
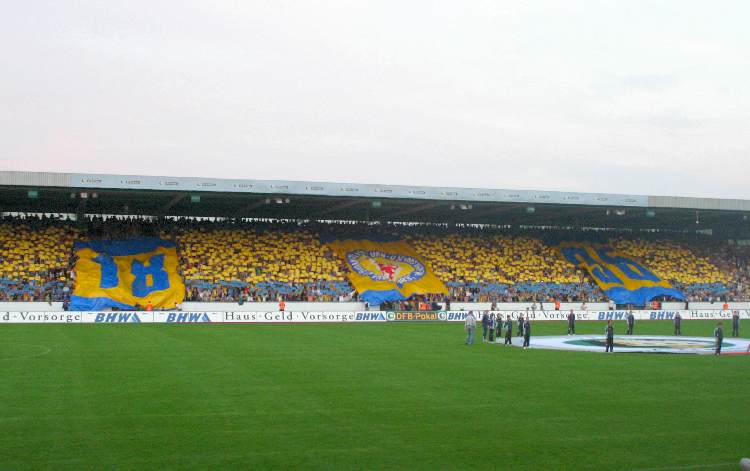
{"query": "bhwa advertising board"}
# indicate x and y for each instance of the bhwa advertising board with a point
(180, 317)
(188, 317)
(668, 315)
(297, 317)
(118, 317)
(460, 316)
(616, 315)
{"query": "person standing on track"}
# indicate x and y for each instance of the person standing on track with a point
(571, 323)
(677, 324)
(719, 335)
(509, 331)
(485, 324)
(520, 322)
(610, 333)
(491, 328)
(735, 324)
(470, 326)
(499, 332)
(526, 332)
(631, 322)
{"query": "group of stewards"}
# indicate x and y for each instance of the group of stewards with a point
(493, 324)
(492, 328)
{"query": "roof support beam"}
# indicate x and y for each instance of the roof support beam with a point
(416, 209)
(494, 211)
(339, 207)
(246, 210)
(172, 202)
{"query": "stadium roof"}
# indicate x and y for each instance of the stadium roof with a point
(154, 195)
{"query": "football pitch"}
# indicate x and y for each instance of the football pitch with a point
(396, 396)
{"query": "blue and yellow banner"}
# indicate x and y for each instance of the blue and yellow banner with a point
(126, 274)
(624, 280)
(386, 271)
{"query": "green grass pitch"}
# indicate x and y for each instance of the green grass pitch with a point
(360, 397)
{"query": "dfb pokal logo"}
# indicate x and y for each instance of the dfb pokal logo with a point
(382, 266)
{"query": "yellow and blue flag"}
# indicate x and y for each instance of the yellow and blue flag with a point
(386, 271)
(126, 273)
(623, 279)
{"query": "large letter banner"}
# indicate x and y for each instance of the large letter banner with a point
(126, 273)
(386, 271)
(624, 280)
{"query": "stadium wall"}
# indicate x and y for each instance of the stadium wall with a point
(591, 306)
(30, 307)
(459, 306)
(292, 317)
(290, 306)
(355, 307)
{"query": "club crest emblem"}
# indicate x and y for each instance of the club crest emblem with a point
(642, 344)
(382, 266)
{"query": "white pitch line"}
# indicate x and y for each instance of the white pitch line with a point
(24, 357)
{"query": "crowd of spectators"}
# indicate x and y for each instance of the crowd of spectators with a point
(35, 259)
(246, 261)
(502, 267)
(258, 263)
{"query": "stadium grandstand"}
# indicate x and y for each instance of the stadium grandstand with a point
(267, 241)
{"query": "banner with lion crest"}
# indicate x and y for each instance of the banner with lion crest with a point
(386, 271)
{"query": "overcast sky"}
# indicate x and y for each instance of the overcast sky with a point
(625, 96)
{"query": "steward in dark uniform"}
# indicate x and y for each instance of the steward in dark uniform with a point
(571, 323)
(719, 334)
(631, 323)
(491, 328)
(610, 332)
(677, 324)
(526, 333)
(485, 324)
(520, 325)
(509, 331)
(499, 327)
(735, 324)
